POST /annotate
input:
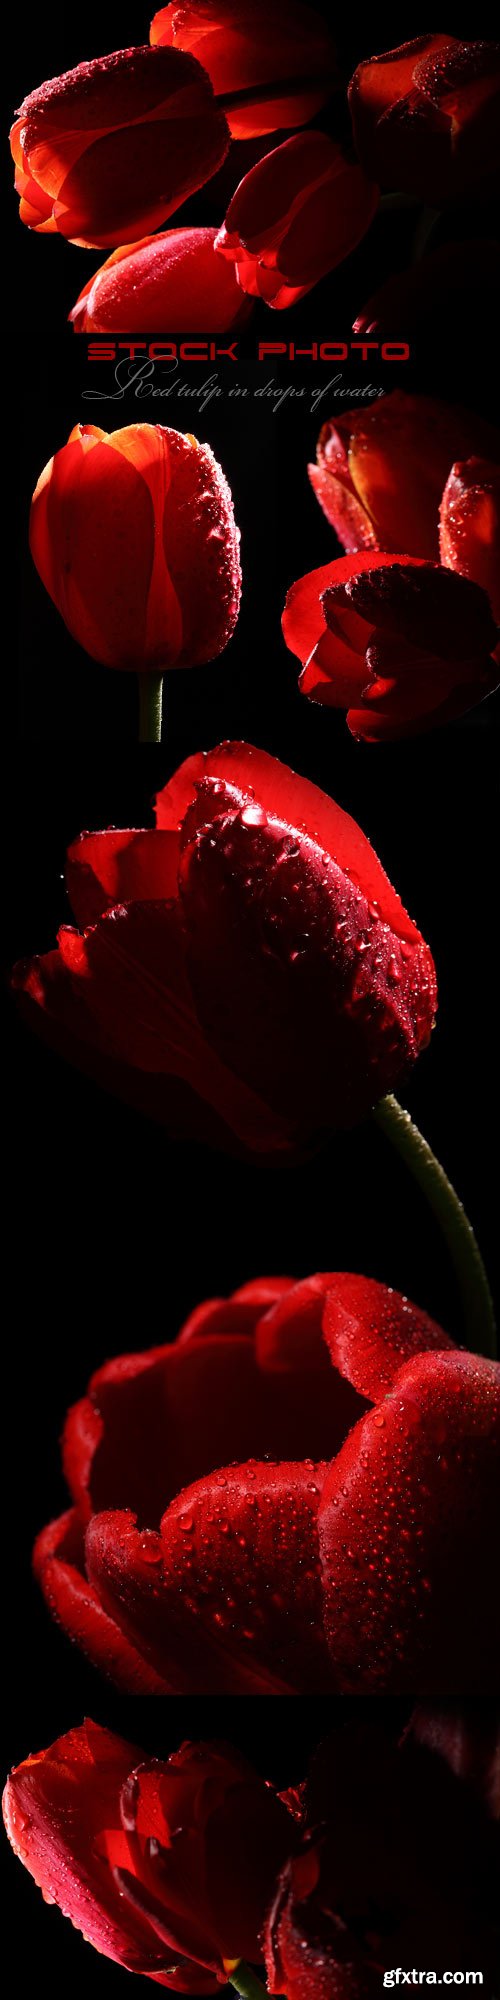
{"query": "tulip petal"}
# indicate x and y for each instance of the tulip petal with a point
(171, 280)
(290, 1333)
(240, 1551)
(119, 866)
(470, 525)
(260, 778)
(370, 1330)
(239, 1314)
(244, 45)
(126, 1566)
(404, 1529)
(142, 1434)
(57, 1805)
(116, 144)
(58, 1561)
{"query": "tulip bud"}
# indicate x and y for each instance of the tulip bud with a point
(426, 116)
(172, 280)
(133, 535)
(109, 150)
(246, 43)
(296, 215)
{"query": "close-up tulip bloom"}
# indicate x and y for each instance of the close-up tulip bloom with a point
(169, 282)
(469, 525)
(318, 1531)
(381, 470)
(402, 645)
(294, 217)
(426, 116)
(246, 972)
(402, 1869)
(169, 1866)
(133, 535)
(109, 150)
(247, 46)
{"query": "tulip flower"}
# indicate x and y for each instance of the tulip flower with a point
(401, 1870)
(426, 116)
(167, 1866)
(470, 525)
(256, 899)
(133, 535)
(380, 471)
(401, 644)
(109, 150)
(168, 283)
(336, 1550)
(294, 217)
(247, 47)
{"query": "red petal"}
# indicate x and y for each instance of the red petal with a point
(342, 508)
(73, 1602)
(400, 453)
(171, 280)
(238, 1314)
(121, 141)
(371, 1330)
(276, 930)
(152, 1437)
(242, 45)
(258, 777)
(425, 606)
(470, 525)
(86, 993)
(61, 1845)
(416, 1482)
(290, 1334)
(240, 1552)
(100, 581)
(119, 867)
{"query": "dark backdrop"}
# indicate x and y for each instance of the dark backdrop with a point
(114, 1235)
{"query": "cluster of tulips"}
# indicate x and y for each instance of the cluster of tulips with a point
(105, 154)
(193, 1870)
(133, 534)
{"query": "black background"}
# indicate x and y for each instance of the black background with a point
(114, 1235)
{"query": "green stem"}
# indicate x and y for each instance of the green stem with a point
(427, 223)
(246, 1981)
(150, 705)
(388, 202)
(458, 1233)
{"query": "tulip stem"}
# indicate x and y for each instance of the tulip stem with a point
(150, 706)
(268, 93)
(477, 1303)
(245, 1980)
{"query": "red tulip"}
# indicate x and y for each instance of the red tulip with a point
(470, 525)
(425, 116)
(133, 535)
(168, 283)
(335, 1552)
(295, 215)
(167, 1867)
(279, 912)
(381, 470)
(403, 1870)
(244, 43)
(109, 150)
(407, 645)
